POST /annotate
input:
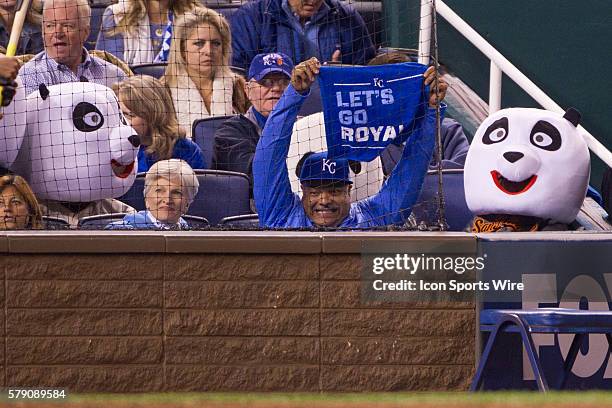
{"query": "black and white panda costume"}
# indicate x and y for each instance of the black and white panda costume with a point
(70, 142)
(526, 169)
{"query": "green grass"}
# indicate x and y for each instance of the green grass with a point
(443, 398)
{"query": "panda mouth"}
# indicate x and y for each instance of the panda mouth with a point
(120, 170)
(512, 187)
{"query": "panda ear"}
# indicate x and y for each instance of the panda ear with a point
(355, 166)
(44, 91)
(573, 116)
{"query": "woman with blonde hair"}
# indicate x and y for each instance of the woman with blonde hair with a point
(31, 41)
(18, 205)
(147, 105)
(140, 31)
(198, 72)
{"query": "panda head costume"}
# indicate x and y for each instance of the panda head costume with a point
(76, 145)
(530, 163)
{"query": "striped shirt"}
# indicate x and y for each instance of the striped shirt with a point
(44, 70)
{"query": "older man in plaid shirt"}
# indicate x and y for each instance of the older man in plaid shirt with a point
(65, 29)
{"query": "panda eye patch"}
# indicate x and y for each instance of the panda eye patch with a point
(545, 136)
(86, 117)
(496, 132)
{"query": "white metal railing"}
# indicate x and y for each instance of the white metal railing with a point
(499, 64)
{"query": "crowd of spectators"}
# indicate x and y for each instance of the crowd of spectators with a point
(204, 56)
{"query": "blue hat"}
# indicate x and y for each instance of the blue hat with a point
(318, 168)
(263, 64)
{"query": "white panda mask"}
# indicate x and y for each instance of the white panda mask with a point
(529, 162)
(13, 127)
(79, 145)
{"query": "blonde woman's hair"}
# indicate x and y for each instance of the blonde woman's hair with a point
(183, 26)
(23, 188)
(137, 9)
(150, 99)
(174, 169)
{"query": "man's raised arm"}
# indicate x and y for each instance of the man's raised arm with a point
(402, 189)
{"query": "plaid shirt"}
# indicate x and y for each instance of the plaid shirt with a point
(44, 70)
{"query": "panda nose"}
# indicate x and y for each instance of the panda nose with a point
(134, 140)
(513, 156)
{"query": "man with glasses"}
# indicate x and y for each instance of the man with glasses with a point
(65, 28)
(236, 139)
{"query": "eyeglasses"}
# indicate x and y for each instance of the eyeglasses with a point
(270, 82)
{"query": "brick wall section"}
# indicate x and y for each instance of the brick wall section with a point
(393, 346)
(220, 322)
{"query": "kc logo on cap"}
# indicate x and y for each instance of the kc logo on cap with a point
(331, 166)
(273, 59)
(316, 167)
(263, 64)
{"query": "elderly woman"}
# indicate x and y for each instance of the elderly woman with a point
(18, 206)
(147, 105)
(170, 187)
(198, 72)
(140, 31)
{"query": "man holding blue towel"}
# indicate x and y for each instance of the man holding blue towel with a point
(325, 180)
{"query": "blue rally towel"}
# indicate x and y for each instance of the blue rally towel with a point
(367, 108)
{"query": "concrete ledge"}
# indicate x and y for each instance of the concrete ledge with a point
(230, 242)
(246, 242)
(83, 242)
(355, 242)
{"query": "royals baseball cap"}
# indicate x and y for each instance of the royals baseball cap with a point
(317, 168)
(263, 64)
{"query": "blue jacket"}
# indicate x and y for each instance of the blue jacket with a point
(184, 149)
(264, 26)
(279, 207)
(143, 220)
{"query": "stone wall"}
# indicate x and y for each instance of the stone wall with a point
(217, 312)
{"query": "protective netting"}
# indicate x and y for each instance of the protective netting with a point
(134, 115)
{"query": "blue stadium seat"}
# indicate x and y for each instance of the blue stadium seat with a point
(98, 222)
(203, 134)
(54, 223)
(241, 221)
(221, 194)
(156, 70)
(196, 222)
(135, 195)
(97, 10)
(239, 71)
(458, 215)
